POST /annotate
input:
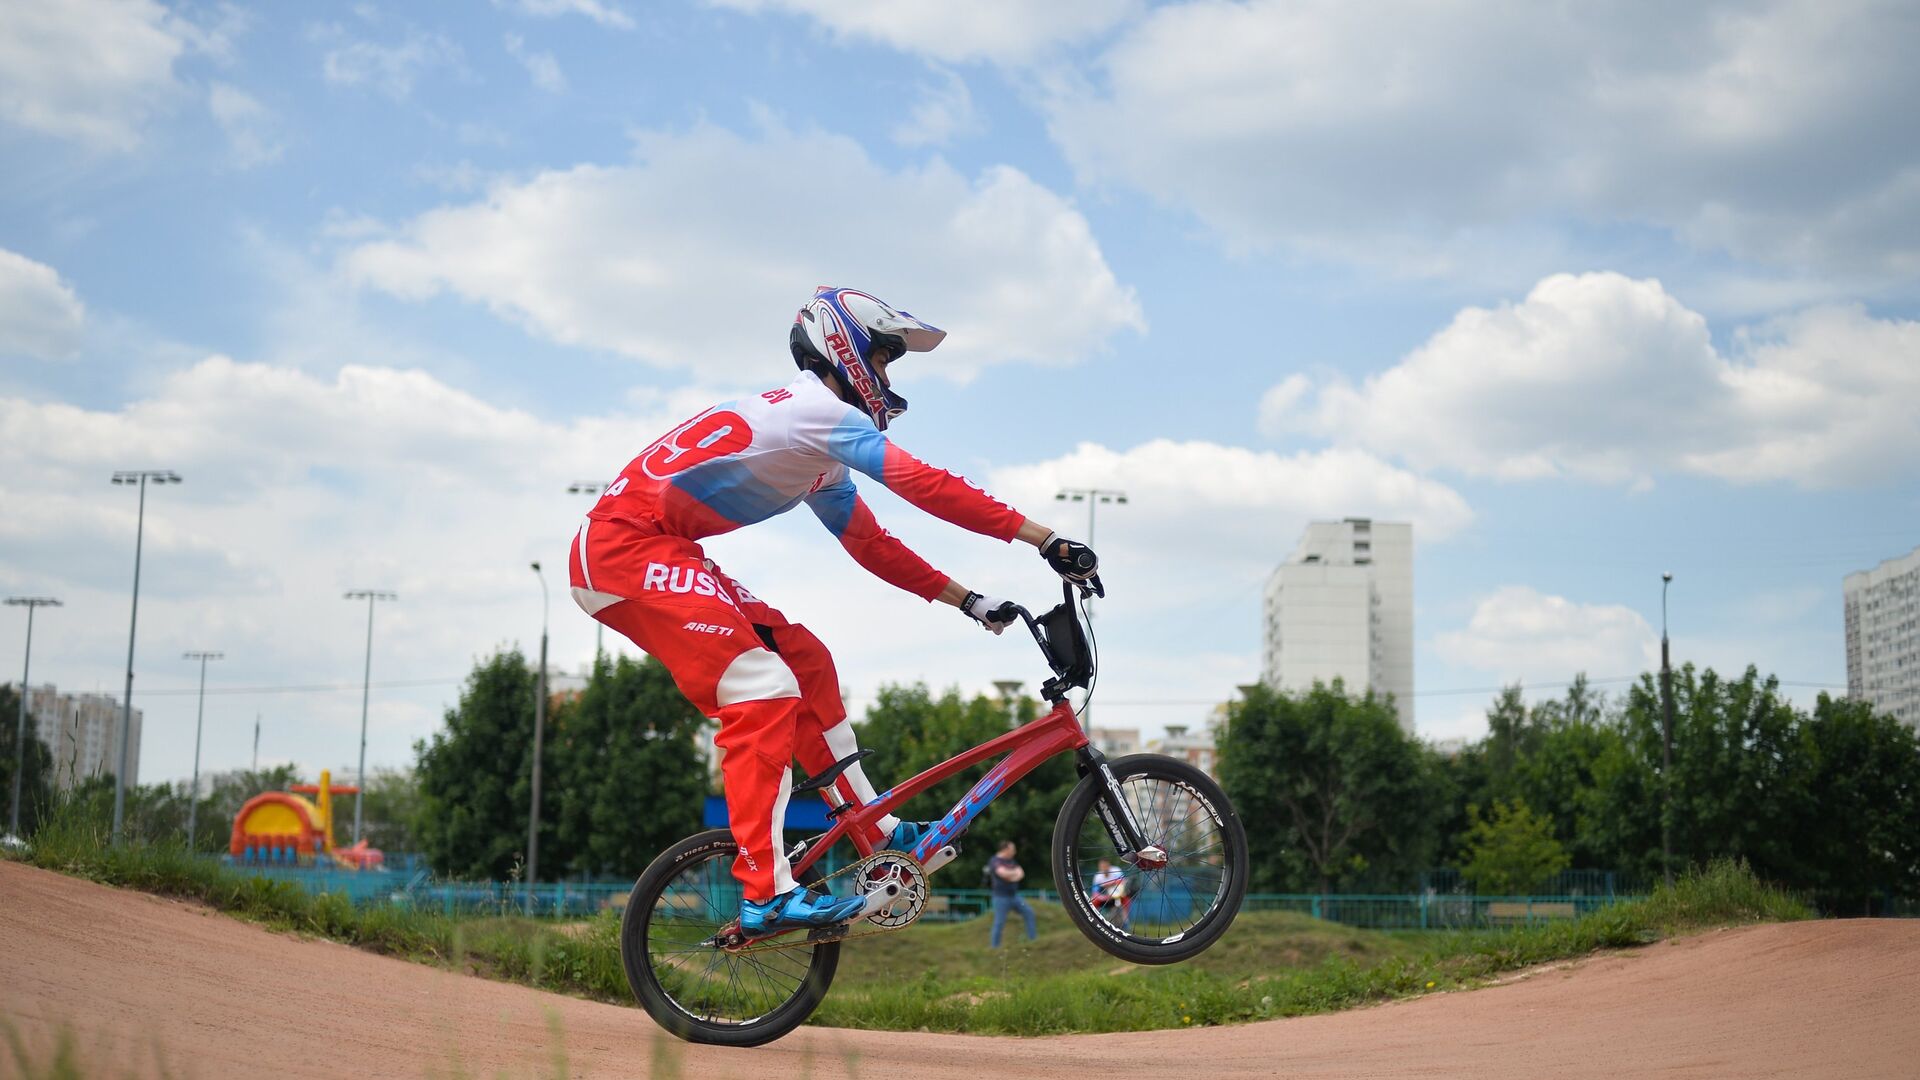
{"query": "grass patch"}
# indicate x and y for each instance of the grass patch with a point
(1229, 989)
(943, 977)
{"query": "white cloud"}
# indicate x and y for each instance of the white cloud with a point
(604, 14)
(683, 257)
(250, 128)
(392, 69)
(1242, 508)
(1520, 634)
(1406, 131)
(92, 71)
(943, 113)
(1611, 380)
(39, 314)
(1003, 31)
(541, 66)
(296, 488)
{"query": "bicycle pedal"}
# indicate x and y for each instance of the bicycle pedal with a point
(827, 933)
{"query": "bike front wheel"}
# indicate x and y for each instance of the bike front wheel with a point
(1161, 915)
(696, 990)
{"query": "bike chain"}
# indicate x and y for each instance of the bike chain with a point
(844, 932)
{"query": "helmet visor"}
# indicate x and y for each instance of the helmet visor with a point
(879, 320)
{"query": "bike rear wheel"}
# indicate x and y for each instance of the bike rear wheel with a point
(1163, 915)
(699, 992)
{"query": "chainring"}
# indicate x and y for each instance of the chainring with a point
(881, 867)
(876, 869)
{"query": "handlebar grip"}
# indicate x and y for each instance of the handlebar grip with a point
(1005, 613)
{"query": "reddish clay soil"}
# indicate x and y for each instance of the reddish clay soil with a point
(152, 985)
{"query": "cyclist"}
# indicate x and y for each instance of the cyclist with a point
(637, 567)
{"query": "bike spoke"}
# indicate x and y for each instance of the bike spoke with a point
(1178, 896)
(708, 983)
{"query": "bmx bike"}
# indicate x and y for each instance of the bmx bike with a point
(1164, 824)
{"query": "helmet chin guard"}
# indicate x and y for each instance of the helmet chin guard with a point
(842, 328)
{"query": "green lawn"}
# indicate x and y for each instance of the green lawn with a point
(1260, 943)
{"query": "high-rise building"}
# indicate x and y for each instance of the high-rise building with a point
(1196, 750)
(1341, 607)
(1115, 742)
(1883, 636)
(82, 733)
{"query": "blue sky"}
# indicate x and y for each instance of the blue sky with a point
(1584, 295)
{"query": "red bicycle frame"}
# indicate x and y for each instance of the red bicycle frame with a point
(1026, 747)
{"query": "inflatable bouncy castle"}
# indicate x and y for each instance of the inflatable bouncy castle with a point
(279, 828)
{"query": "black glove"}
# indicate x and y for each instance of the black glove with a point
(1071, 559)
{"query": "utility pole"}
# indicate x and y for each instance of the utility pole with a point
(193, 794)
(140, 477)
(20, 732)
(539, 730)
(584, 487)
(366, 690)
(256, 742)
(1666, 740)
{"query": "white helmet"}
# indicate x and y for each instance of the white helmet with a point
(839, 329)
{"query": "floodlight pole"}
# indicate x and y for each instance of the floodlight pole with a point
(366, 692)
(1666, 740)
(199, 720)
(20, 736)
(132, 476)
(539, 730)
(599, 628)
(1093, 497)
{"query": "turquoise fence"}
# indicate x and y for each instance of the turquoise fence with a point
(563, 899)
(1431, 911)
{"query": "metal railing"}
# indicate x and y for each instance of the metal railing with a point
(1431, 911)
(572, 899)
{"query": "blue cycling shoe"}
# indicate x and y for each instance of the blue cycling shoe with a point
(906, 834)
(796, 910)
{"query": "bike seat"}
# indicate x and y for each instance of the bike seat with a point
(832, 773)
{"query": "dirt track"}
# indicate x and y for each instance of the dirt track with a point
(139, 976)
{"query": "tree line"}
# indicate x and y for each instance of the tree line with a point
(1337, 798)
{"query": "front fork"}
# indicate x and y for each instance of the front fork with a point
(1117, 816)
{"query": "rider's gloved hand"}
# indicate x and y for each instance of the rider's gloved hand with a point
(991, 612)
(1071, 559)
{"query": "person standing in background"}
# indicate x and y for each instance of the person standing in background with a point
(1110, 894)
(1006, 874)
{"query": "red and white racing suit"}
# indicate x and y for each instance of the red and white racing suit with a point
(637, 566)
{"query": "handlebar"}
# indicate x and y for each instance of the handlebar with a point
(1061, 637)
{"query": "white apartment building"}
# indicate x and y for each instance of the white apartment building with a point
(1341, 607)
(1196, 750)
(1883, 636)
(1114, 742)
(82, 733)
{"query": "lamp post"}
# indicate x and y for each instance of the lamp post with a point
(1666, 740)
(539, 730)
(366, 689)
(193, 793)
(1093, 497)
(20, 735)
(140, 477)
(583, 487)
